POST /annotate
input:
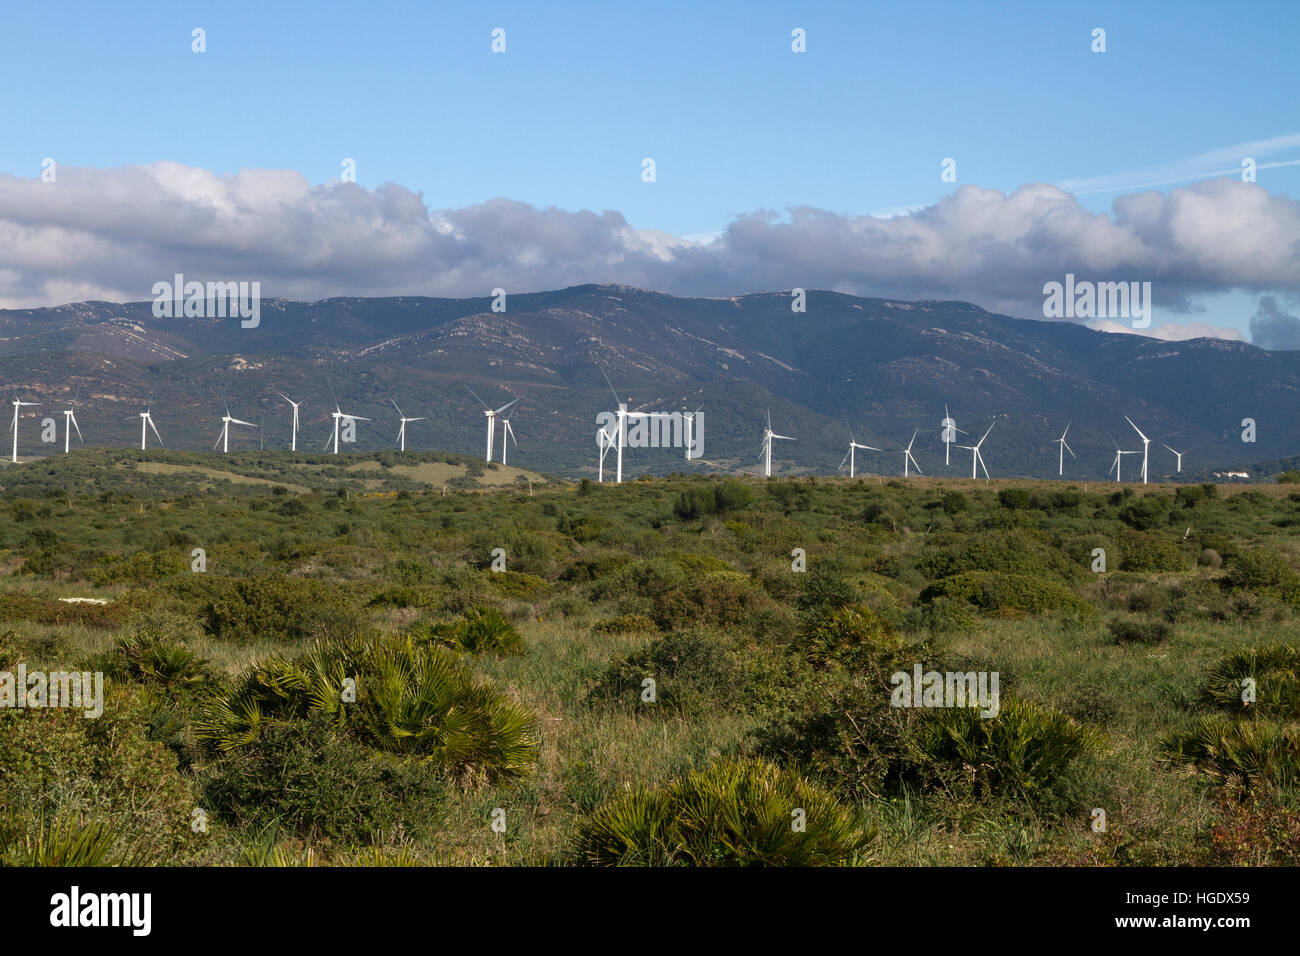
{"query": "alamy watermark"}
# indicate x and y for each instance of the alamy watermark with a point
(947, 689)
(1098, 300)
(35, 690)
(192, 300)
(656, 430)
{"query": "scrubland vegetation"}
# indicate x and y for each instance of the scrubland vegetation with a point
(649, 681)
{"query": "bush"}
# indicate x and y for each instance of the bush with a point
(625, 624)
(279, 608)
(1244, 753)
(850, 636)
(1151, 552)
(481, 631)
(311, 779)
(1017, 552)
(1263, 572)
(1289, 477)
(993, 591)
(1022, 752)
(692, 670)
(1275, 670)
(409, 700)
(1013, 499)
(721, 598)
(733, 813)
(1139, 630)
(1149, 511)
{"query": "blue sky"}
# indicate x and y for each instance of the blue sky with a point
(735, 121)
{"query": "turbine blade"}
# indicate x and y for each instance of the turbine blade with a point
(399, 411)
(155, 429)
(505, 406)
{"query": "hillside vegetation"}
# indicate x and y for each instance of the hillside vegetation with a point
(301, 668)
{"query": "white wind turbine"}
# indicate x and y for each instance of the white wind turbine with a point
(223, 439)
(947, 434)
(768, 437)
(689, 419)
(401, 432)
(605, 441)
(1116, 465)
(976, 459)
(491, 414)
(506, 432)
(854, 445)
(1060, 465)
(1146, 448)
(18, 404)
(907, 455)
(620, 434)
(69, 423)
(339, 416)
(1179, 455)
(293, 443)
(146, 421)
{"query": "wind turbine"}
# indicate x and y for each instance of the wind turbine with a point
(293, 446)
(976, 459)
(1060, 465)
(70, 422)
(224, 438)
(947, 434)
(401, 432)
(689, 419)
(853, 446)
(907, 455)
(491, 414)
(605, 441)
(339, 416)
(506, 432)
(622, 415)
(18, 404)
(146, 420)
(768, 437)
(1119, 460)
(1146, 447)
(1179, 455)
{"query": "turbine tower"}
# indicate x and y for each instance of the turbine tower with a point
(689, 419)
(1115, 465)
(907, 455)
(605, 441)
(768, 437)
(853, 446)
(976, 459)
(401, 432)
(1179, 455)
(506, 432)
(947, 434)
(339, 416)
(223, 439)
(146, 421)
(1060, 465)
(491, 414)
(69, 423)
(293, 442)
(14, 426)
(1146, 447)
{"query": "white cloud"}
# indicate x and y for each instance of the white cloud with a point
(1172, 331)
(112, 233)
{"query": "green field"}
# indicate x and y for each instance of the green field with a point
(684, 671)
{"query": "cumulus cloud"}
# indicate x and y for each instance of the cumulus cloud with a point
(1272, 327)
(112, 233)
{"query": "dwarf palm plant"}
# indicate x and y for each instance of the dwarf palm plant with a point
(733, 813)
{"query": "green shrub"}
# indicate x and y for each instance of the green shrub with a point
(409, 700)
(1246, 753)
(993, 591)
(692, 670)
(1022, 752)
(625, 624)
(279, 608)
(733, 813)
(721, 598)
(481, 631)
(1149, 511)
(1013, 499)
(1275, 670)
(1017, 552)
(1151, 552)
(309, 778)
(1139, 630)
(850, 636)
(1263, 571)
